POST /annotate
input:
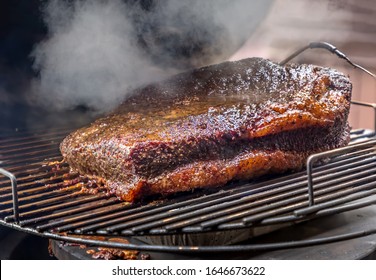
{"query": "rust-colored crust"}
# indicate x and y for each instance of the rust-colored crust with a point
(218, 123)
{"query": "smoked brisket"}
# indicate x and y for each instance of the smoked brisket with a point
(204, 128)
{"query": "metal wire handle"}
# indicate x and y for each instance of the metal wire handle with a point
(13, 181)
(314, 158)
(370, 105)
(332, 49)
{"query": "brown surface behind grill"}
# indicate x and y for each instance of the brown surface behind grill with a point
(350, 25)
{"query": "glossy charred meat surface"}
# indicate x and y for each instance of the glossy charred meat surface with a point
(234, 120)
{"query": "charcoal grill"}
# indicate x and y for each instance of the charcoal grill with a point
(38, 195)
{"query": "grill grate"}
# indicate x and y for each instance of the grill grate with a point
(48, 200)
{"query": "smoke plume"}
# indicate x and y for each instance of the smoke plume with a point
(97, 51)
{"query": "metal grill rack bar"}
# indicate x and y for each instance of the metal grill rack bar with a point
(47, 200)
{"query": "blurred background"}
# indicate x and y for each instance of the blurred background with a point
(71, 60)
(350, 25)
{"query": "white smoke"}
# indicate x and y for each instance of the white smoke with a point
(88, 58)
(92, 55)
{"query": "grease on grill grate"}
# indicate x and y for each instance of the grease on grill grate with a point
(52, 200)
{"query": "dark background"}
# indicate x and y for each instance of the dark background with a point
(20, 28)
